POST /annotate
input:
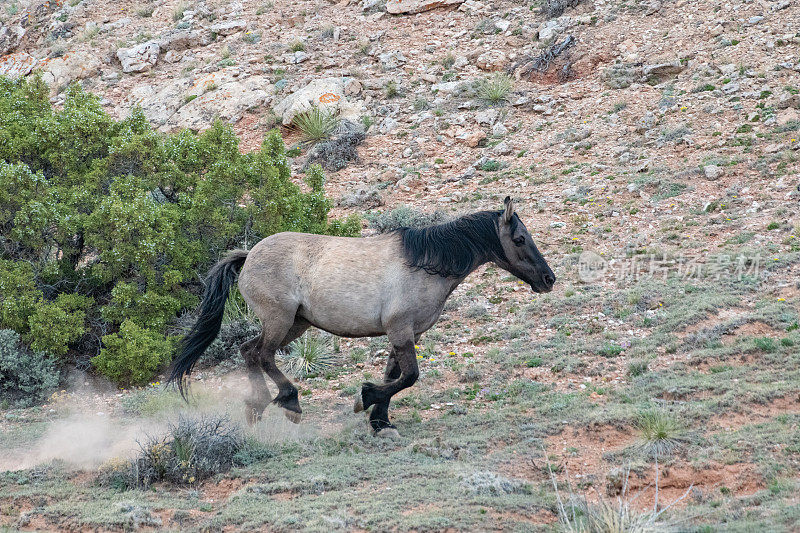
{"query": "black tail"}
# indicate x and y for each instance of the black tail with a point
(218, 285)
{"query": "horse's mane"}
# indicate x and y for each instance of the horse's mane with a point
(450, 249)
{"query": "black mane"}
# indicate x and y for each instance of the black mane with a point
(451, 249)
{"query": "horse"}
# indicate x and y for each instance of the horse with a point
(393, 284)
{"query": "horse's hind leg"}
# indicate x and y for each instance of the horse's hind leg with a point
(259, 395)
(287, 393)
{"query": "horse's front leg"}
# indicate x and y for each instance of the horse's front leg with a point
(406, 360)
(379, 417)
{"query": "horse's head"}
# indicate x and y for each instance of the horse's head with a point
(523, 258)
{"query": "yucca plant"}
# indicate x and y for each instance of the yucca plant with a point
(661, 434)
(495, 89)
(316, 124)
(307, 356)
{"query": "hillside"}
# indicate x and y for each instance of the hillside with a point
(652, 151)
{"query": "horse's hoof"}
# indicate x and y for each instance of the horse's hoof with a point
(359, 405)
(388, 433)
(293, 416)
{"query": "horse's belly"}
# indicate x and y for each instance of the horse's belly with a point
(345, 315)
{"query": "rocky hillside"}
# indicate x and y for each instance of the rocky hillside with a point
(652, 148)
(610, 103)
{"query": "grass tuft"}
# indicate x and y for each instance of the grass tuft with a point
(495, 89)
(661, 434)
(316, 124)
(307, 356)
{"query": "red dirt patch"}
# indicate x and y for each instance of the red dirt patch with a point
(221, 491)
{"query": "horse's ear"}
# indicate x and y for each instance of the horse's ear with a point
(509, 212)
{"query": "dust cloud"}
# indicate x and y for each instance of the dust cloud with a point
(89, 428)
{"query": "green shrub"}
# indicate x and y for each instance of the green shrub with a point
(55, 325)
(132, 355)
(107, 224)
(661, 434)
(638, 367)
(765, 344)
(25, 377)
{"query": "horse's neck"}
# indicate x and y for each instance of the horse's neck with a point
(455, 282)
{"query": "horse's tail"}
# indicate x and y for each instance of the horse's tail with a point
(218, 284)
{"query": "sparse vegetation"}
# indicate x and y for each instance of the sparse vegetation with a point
(404, 216)
(192, 450)
(495, 89)
(673, 178)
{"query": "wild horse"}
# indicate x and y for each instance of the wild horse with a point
(393, 284)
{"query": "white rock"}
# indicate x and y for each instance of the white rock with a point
(487, 116)
(295, 58)
(502, 25)
(139, 58)
(712, 172)
(172, 56)
(447, 87)
(389, 125)
(491, 60)
(391, 60)
(499, 129)
(17, 65)
(503, 148)
(62, 71)
(227, 102)
(416, 6)
(325, 93)
(158, 103)
(229, 27)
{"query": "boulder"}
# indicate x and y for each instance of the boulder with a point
(61, 71)
(295, 58)
(158, 103)
(392, 60)
(139, 58)
(325, 93)
(10, 37)
(491, 60)
(228, 102)
(712, 172)
(229, 27)
(789, 101)
(179, 40)
(661, 71)
(396, 7)
(17, 65)
(488, 116)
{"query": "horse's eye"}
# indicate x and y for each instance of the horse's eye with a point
(519, 241)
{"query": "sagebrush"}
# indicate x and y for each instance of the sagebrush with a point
(26, 377)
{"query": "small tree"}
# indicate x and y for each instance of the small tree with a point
(107, 225)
